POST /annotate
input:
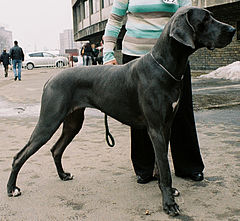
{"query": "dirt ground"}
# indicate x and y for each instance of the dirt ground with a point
(104, 187)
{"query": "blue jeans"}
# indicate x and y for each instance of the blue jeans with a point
(87, 60)
(17, 64)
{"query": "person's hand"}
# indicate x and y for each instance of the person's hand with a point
(112, 62)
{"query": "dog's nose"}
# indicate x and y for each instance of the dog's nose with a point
(232, 30)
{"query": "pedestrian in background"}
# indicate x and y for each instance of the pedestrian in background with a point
(145, 22)
(87, 55)
(17, 56)
(100, 54)
(5, 59)
(82, 53)
(95, 54)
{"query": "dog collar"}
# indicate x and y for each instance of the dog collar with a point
(166, 69)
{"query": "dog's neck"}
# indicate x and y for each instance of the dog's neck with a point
(171, 54)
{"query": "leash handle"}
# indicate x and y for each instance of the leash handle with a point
(108, 134)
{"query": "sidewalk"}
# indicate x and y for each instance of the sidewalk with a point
(104, 187)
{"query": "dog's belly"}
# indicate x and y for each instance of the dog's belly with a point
(125, 116)
(135, 121)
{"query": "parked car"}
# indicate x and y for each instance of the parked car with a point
(43, 59)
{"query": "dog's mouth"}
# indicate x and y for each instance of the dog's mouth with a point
(223, 40)
(210, 47)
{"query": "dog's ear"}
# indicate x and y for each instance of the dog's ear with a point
(182, 30)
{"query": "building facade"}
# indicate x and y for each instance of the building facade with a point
(209, 3)
(90, 18)
(6, 41)
(67, 41)
(227, 12)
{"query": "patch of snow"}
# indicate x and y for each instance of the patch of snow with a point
(229, 72)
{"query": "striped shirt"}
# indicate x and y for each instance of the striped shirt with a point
(145, 22)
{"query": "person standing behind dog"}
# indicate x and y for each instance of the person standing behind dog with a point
(17, 56)
(5, 59)
(145, 22)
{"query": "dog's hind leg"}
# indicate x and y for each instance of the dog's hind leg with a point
(40, 136)
(50, 119)
(71, 126)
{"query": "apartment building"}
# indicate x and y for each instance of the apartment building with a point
(90, 18)
(6, 41)
(67, 41)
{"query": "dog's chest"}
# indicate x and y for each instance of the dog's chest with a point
(175, 104)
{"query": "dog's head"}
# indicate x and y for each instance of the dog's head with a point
(195, 27)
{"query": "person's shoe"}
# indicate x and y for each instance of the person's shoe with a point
(19, 79)
(15, 78)
(145, 180)
(196, 176)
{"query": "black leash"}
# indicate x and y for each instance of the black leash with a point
(108, 134)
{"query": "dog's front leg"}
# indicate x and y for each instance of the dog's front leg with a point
(160, 140)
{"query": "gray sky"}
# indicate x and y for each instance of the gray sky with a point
(36, 24)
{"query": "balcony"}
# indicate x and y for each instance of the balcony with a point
(90, 18)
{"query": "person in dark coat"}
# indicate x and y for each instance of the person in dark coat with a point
(5, 59)
(17, 56)
(87, 55)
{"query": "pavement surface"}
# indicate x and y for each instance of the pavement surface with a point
(104, 187)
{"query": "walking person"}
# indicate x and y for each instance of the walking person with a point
(145, 23)
(17, 56)
(5, 59)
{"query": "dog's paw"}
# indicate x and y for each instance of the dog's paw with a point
(172, 210)
(15, 192)
(66, 176)
(175, 192)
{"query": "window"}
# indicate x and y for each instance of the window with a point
(86, 4)
(105, 3)
(91, 6)
(36, 55)
(82, 11)
(76, 17)
(96, 6)
(47, 55)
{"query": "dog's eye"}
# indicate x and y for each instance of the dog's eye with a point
(207, 18)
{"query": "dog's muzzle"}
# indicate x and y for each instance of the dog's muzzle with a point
(227, 35)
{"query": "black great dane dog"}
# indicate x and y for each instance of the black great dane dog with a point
(143, 94)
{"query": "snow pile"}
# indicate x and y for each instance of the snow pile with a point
(229, 72)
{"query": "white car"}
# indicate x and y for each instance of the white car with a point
(43, 59)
